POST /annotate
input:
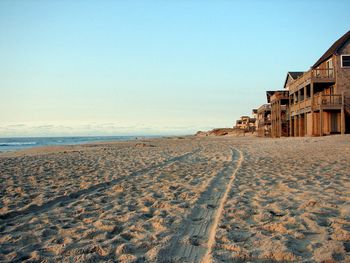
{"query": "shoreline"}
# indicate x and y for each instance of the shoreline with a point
(62, 147)
(68, 147)
(12, 144)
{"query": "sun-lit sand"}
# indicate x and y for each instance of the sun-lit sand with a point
(191, 199)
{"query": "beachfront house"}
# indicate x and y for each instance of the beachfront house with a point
(320, 97)
(246, 124)
(242, 123)
(264, 120)
(279, 102)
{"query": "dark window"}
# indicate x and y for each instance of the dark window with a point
(345, 61)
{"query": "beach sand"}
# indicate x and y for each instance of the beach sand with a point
(217, 199)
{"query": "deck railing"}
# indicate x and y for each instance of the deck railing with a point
(279, 95)
(319, 100)
(303, 78)
(264, 107)
(326, 73)
(264, 121)
(332, 100)
(319, 75)
(306, 103)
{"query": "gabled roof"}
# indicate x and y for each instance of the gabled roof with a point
(333, 49)
(269, 94)
(294, 75)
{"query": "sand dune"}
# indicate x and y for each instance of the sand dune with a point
(176, 200)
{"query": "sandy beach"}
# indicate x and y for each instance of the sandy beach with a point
(190, 199)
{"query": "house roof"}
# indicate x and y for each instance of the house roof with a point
(264, 107)
(333, 49)
(269, 94)
(294, 75)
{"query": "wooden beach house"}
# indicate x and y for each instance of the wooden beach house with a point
(319, 99)
(264, 120)
(243, 123)
(246, 124)
(279, 102)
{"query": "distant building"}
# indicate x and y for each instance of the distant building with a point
(243, 123)
(264, 120)
(246, 124)
(279, 102)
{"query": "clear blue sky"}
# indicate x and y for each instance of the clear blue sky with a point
(151, 67)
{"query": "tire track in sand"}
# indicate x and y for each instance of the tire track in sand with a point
(196, 237)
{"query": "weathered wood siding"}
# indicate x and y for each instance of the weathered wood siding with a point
(309, 124)
(343, 74)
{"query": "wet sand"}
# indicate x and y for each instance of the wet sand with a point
(231, 199)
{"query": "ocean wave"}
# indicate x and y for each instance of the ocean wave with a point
(16, 143)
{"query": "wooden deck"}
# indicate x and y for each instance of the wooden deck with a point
(312, 76)
(324, 102)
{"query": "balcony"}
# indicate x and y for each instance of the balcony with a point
(264, 107)
(313, 75)
(264, 121)
(320, 101)
(330, 101)
(279, 95)
(301, 107)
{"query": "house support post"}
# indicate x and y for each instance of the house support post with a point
(321, 121)
(342, 115)
(290, 133)
(312, 108)
(279, 119)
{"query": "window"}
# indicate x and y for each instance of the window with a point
(330, 63)
(317, 71)
(345, 61)
(330, 68)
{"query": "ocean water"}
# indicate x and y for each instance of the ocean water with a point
(13, 144)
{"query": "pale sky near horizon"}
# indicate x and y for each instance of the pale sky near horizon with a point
(152, 67)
